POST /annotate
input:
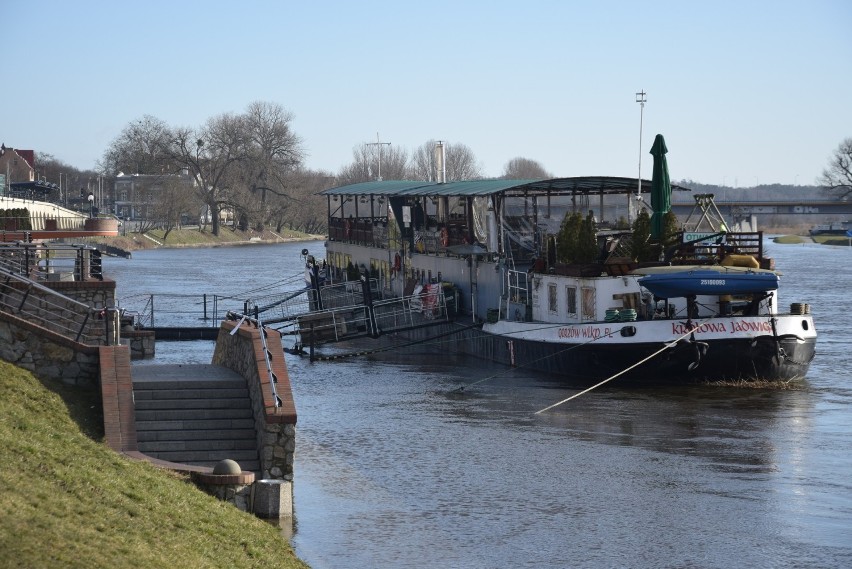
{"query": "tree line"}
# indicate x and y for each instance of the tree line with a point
(252, 163)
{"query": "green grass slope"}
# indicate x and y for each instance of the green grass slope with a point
(66, 500)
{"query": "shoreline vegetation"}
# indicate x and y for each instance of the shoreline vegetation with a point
(195, 237)
(69, 501)
(838, 240)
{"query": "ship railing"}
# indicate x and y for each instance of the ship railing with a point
(389, 315)
(711, 247)
(333, 325)
(285, 306)
(347, 293)
(411, 311)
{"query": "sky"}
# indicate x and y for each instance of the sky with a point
(745, 92)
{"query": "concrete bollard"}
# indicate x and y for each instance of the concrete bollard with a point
(272, 498)
(227, 482)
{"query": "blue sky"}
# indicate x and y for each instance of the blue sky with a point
(745, 92)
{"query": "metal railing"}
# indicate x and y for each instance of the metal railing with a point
(179, 310)
(257, 323)
(390, 315)
(44, 307)
(54, 262)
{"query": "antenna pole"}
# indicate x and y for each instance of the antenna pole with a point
(641, 99)
(379, 143)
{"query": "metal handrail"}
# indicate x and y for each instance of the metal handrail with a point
(24, 297)
(42, 262)
(273, 379)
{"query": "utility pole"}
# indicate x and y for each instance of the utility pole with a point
(379, 143)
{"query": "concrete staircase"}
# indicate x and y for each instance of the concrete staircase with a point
(194, 414)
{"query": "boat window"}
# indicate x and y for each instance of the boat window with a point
(588, 303)
(552, 306)
(571, 300)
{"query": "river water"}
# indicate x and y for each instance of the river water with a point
(395, 467)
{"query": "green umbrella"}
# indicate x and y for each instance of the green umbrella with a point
(661, 187)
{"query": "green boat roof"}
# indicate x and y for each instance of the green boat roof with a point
(585, 185)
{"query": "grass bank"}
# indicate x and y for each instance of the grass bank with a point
(200, 238)
(69, 501)
(821, 239)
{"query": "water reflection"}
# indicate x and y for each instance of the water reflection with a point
(396, 468)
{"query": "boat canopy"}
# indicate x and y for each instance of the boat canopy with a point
(582, 185)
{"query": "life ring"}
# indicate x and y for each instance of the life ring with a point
(347, 227)
(445, 237)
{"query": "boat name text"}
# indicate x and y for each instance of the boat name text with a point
(584, 332)
(735, 326)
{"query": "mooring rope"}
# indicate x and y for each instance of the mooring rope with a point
(666, 346)
(512, 369)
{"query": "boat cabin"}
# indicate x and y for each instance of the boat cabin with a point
(468, 234)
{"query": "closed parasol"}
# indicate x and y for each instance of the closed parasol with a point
(661, 187)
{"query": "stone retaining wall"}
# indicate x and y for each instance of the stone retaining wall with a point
(142, 343)
(47, 354)
(243, 353)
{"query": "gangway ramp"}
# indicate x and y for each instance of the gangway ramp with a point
(342, 311)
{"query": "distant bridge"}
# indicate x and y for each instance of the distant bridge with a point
(786, 210)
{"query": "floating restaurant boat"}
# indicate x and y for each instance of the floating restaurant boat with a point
(483, 250)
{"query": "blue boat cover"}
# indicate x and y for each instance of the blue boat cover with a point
(698, 282)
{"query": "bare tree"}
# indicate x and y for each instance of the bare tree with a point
(423, 165)
(836, 178)
(210, 155)
(461, 163)
(524, 169)
(170, 199)
(305, 210)
(139, 149)
(274, 152)
(368, 161)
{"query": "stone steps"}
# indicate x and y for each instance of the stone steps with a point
(194, 414)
